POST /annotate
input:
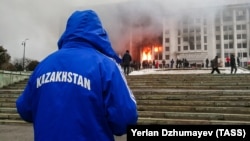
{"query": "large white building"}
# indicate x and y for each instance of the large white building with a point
(199, 34)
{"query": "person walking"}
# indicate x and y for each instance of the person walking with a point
(215, 65)
(126, 59)
(78, 93)
(207, 62)
(227, 61)
(172, 63)
(238, 61)
(233, 64)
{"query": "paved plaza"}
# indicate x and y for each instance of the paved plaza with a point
(25, 133)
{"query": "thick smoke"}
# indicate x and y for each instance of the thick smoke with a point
(43, 21)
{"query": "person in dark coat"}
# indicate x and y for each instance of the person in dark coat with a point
(207, 62)
(238, 61)
(215, 65)
(233, 64)
(126, 59)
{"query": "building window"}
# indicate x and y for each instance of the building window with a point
(179, 48)
(205, 47)
(185, 39)
(244, 45)
(231, 45)
(198, 47)
(224, 28)
(167, 40)
(227, 15)
(226, 46)
(225, 37)
(167, 48)
(217, 37)
(191, 46)
(230, 37)
(238, 36)
(244, 36)
(230, 28)
(240, 15)
(205, 39)
(217, 28)
(185, 48)
(239, 45)
(166, 57)
(198, 38)
(238, 27)
(179, 40)
(244, 54)
(244, 27)
(217, 46)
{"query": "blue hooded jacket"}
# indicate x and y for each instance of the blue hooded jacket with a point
(79, 92)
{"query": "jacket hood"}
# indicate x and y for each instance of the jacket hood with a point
(86, 27)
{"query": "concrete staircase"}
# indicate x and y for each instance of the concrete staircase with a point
(192, 98)
(171, 99)
(8, 96)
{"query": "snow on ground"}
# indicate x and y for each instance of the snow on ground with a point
(226, 70)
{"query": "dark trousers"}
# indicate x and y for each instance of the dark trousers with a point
(233, 68)
(215, 69)
(126, 69)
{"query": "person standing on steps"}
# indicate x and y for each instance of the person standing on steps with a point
(78, 93)
(233, 64)
(238, 61)
(215, 65)
(126, 59)
(207, 62)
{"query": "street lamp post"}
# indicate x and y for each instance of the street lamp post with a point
(24, 44)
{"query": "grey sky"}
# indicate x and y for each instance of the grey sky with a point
(43, 21)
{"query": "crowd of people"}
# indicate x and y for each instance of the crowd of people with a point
(183, 63)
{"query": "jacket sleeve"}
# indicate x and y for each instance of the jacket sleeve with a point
(120, 103)
(23, 104)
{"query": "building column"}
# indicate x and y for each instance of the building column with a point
(222, 56)
(235, 34)
(248, 33)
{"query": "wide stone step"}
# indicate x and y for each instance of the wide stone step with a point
(13, 122)
(189, 92)
(163, 121)
(8, 104)
(190, 76)
(10, 116)
(193, 97)
(8, 110)
(196, 109)
(10, 91)
(191, 87)
(192, 115)
(173, 83)
(9, 95)
(226, 103)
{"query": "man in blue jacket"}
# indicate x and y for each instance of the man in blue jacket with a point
(79, 92)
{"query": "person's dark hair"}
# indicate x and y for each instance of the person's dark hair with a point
(127, 51)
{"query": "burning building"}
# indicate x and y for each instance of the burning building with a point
(194, 34)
